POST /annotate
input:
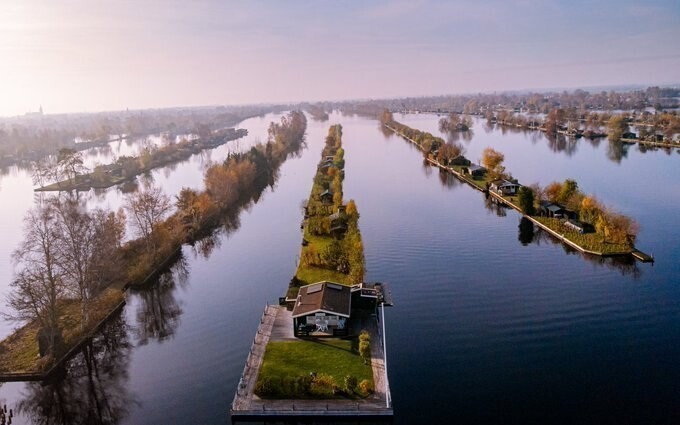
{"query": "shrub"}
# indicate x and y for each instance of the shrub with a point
(323, 386)
(350, 383)
(366, 387)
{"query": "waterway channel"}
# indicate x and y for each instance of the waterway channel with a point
(493, 323)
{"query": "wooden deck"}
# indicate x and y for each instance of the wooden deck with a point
(276, 325)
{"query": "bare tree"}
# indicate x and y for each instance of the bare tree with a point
(40, 283)
(70, 164)
(147, 207)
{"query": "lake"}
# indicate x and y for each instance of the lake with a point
(492, 322)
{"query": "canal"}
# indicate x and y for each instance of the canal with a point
(493, 322)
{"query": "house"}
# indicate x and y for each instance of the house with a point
(504, 187)
(474, 170)
(548, 209)
(326, 309)
(326, 196)
(629, 136)
(322, 309)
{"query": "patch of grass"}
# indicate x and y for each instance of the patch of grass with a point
(333, 357)
(589, 241)
(19, 352)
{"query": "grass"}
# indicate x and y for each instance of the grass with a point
(589, 241)
(334, 357)
(19, 351)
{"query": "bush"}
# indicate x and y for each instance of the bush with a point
(366, 387)
(323, 386)
(350, 383)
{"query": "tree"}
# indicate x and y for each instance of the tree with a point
(492, 160)
(352, 211)
(448, 152)
(526, 200)
(147, 208)
(616, 127)
(70, 164)
(552, 191)
(569, 188)
(351, 383)
(40, 283)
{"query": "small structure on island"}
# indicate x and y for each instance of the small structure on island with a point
(322, 309)
(578, 226)
(459, 160)
(326, 309)
(504, 187)
(338, 222)
(326, 196)
(549, 209)
(474, 170)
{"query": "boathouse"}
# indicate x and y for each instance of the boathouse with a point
(504, 187)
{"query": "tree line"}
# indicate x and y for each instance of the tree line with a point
(72, 255)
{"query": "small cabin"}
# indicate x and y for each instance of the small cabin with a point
(629, 135)
(474, 170)
(548, 209)
(504, 187)
(326, 196)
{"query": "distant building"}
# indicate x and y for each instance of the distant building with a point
(35, 114)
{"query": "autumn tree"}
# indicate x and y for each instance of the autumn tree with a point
(492, 161)
(447, 152)
(147, 207)
(616, 127)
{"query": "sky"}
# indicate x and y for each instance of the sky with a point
(86, 55)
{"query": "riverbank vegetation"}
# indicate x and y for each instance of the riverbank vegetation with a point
(70, 256)
(332, 246)
(561, 207)
(35, 136)
(68, 172)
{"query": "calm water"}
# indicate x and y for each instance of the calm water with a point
(491, 324)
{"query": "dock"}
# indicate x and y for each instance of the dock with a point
(276, 325)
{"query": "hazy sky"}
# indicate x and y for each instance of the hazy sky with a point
(86, 55)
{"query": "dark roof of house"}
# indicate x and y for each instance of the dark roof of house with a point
(554, 207)
(326, 193)
(502, 183)
(475, 167)
(323, 296)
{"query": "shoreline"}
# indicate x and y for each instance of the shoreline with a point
(641, 256)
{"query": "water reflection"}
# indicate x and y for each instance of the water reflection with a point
(92, 387)
(626, 265)
(158, 312)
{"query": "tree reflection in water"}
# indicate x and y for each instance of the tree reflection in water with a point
(158, 311)
(494, 206)
(92, 386)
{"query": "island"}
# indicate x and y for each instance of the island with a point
(321, 352)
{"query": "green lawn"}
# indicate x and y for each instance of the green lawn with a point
(333, 357)
(589, 241)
